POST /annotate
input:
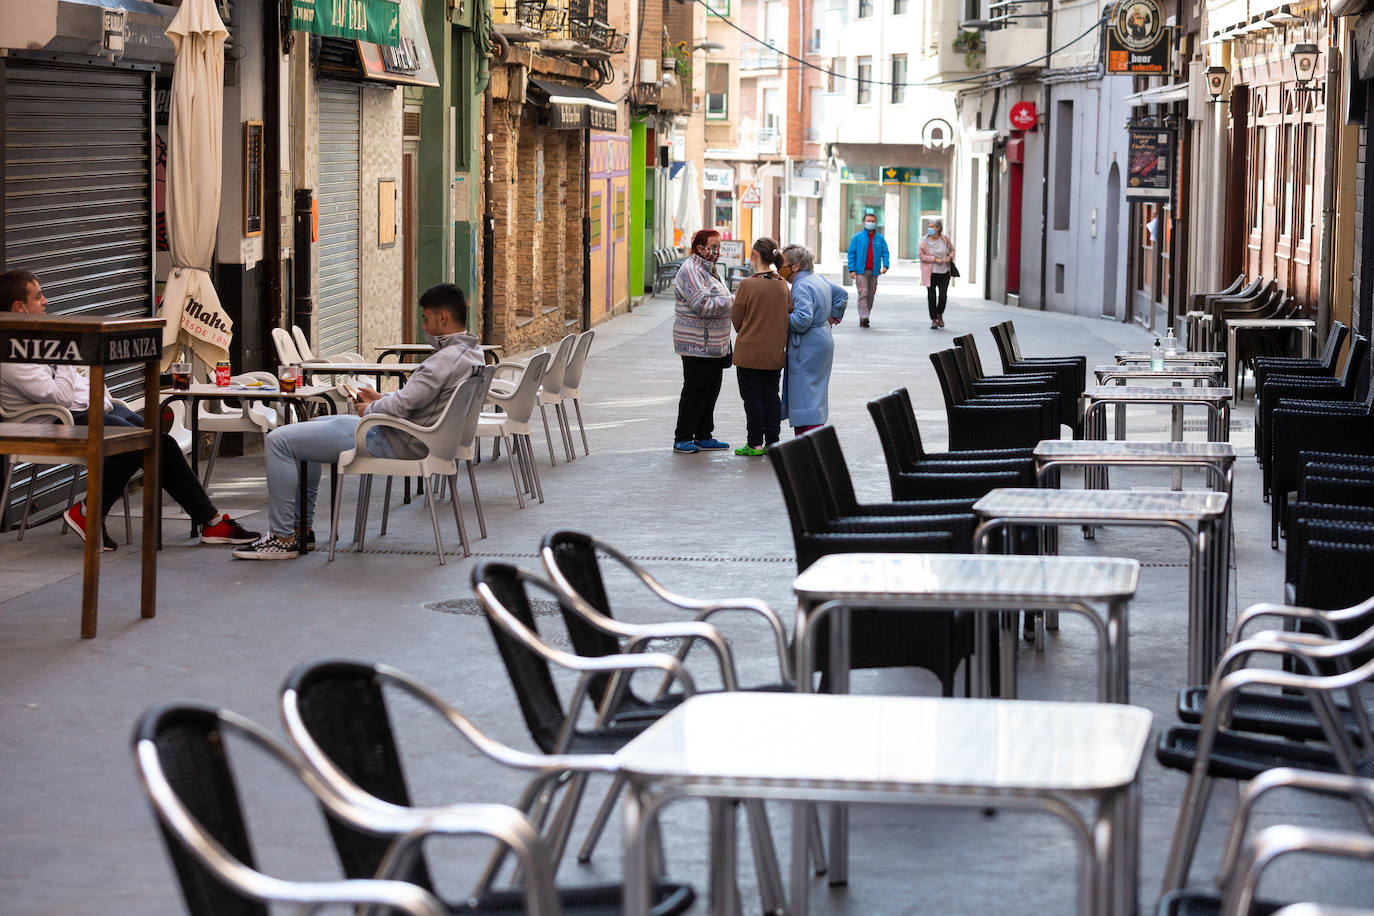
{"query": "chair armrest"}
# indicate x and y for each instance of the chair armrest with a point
(1332, 784)
(1280, 840)
(1287, 611)
(34, 411)
(386, 421)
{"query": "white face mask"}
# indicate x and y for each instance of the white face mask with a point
(870, 225)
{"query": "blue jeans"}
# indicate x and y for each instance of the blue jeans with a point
(318, 442)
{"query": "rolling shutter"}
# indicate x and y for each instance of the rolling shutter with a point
(77, 207)
(339, 241)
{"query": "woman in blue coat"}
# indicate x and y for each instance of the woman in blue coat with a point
(816, 305)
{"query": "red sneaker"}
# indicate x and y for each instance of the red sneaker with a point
(224, 530)
(75, 519)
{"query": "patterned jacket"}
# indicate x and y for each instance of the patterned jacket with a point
(701, 326)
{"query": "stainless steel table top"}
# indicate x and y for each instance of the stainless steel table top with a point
(890, 744)
(1030, 504)
(359, 368)
(1303, 323)
(204, 391)
(977, 578)
(1067, 450)
(1157, 393)
(1168, 372)
(1193, 356)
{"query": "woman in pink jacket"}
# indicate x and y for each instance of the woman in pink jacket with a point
(936, 253)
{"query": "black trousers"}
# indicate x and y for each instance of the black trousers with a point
(178, 480)
(696, 406)
(758, 388)
(936, 294)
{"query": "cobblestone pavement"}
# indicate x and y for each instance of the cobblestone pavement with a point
(78, 837)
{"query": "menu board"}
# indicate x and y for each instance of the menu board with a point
(1149, 169)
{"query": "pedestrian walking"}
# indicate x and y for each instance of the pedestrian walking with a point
(760, 318)
(937, 254)
(867, 261)
(701, 336)
(817, 305)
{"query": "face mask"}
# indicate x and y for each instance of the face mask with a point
(931, 232)
(870, 226)
(708, 254)
(785, 272)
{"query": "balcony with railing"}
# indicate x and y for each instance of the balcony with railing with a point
(575, 27)
(756, 61)
(769, 141)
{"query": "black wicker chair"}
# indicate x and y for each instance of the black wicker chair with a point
(1197, 309)
(1277, 387)
(337, 713)
(882, 639)
(1206, 324)
(1298, 426)
(992, 421)
(1070, 372)
(978, 381)
(1301, 365)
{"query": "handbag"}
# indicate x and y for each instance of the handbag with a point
(953, 269)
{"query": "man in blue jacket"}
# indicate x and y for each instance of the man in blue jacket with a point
(867, 261)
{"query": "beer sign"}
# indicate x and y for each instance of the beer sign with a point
(1138, 41)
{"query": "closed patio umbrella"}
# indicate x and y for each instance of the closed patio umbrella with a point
(190, 304)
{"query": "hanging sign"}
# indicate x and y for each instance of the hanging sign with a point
(1138, 41)
(1022, 116)
(1149, 172)
(377, 21)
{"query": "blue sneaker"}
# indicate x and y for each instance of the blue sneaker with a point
(712, 443)
(685, 447)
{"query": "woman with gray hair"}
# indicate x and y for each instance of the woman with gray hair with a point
(936, 252)
(817, 304)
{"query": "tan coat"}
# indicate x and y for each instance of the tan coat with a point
(760, 319)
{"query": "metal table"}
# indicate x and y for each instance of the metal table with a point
(1187, 357)
(1200, 516)
(1132, 372)
(1218, 458)
(401, 371)
(292, 401)
(1235, 325)
(491, 352)
(1216, 400)
(892, 750)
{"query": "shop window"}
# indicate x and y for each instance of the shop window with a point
(717, 91)
(1308, 155)
(898, 79)
(724, 211)
(594, 218)
(836, 77)
(865, 77)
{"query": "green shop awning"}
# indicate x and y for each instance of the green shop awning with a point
(377, 21)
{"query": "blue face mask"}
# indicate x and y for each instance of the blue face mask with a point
(931, 232)
(870, 226)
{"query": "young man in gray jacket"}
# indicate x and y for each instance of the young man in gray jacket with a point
(322, 440)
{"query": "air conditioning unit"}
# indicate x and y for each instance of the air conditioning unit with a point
(648, 71)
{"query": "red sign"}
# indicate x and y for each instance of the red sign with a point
(1022, 116)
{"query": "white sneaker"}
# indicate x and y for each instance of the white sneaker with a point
(269, 547)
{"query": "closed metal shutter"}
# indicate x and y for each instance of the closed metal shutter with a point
(77, 207)
(339, 241)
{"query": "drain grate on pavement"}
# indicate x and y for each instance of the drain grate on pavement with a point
(472, 607)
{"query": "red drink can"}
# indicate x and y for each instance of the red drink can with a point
(222, 373)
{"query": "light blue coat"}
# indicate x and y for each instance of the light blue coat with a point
(810, 348)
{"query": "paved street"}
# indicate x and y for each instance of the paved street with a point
(78, 837)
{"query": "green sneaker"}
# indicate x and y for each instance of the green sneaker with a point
(748, 451)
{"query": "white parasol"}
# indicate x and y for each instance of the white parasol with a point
(688, 216)
(196, 142)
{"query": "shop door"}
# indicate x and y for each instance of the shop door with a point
(77, 207)
(339, 239)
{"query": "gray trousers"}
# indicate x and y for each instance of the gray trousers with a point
(868, 288)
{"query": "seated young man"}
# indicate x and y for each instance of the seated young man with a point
(25, 384)
(322, 440)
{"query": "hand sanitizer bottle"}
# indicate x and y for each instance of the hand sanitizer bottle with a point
(1156, 356)
(1170, 341)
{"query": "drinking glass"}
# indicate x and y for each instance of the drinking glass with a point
(181, 376)
(286, 376)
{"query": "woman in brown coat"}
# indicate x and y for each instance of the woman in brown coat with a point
(760, 319)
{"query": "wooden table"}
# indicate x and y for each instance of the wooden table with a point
(98, 343)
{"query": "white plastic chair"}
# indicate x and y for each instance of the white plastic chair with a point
(572, 379)
(64, 417)
(442, 439)
(514, 423)
(287, 354)
(552, 393)
(250, 417)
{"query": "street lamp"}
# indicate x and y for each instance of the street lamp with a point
(1218, 79)
(1305, 65)
(708, 46)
